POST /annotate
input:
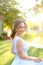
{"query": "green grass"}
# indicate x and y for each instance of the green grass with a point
(6, 57)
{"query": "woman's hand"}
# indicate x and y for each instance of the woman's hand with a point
(37, 60)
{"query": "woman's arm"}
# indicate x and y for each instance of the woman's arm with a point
(21, 55)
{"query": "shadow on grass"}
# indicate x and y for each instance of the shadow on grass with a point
(4, 42)
(6, 46)
(2, 48)
(10, 61)
(4, 51)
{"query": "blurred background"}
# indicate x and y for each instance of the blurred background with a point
(31, 11)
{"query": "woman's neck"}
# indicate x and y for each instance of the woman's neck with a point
(17, 35)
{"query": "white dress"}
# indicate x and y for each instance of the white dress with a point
(18, 60)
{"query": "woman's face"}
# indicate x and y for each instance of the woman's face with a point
(21, 28)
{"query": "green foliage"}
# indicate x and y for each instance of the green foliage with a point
(1, 38)
(38, 7)
(4, 33)
(35, 52)
(10, 12)
(7, 6)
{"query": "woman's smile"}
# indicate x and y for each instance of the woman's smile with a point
(21, 29)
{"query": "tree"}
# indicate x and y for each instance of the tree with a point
(9, 11)
(38, 7)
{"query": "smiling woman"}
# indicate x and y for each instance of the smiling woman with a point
(19, 26)
(19, 46)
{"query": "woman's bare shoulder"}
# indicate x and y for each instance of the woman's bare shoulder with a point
(17, 38)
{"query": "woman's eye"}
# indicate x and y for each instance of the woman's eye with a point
(21, 27)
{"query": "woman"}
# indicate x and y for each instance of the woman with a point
(19, 46)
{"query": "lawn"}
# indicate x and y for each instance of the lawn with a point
(6, 57)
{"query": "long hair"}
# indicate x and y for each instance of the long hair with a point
(15, 25)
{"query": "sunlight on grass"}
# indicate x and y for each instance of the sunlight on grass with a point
(6, 57)
(5, 53)
(5, 45)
